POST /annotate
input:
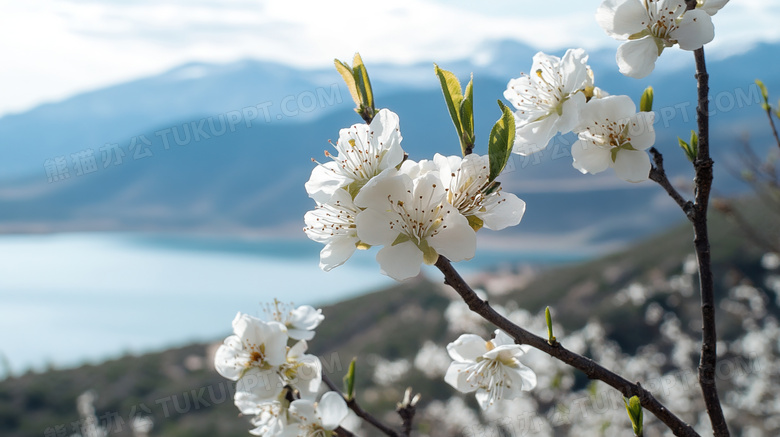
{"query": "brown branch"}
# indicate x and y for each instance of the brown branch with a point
(772, 123)
(407, 416)
(592, 369)
(703, 184)
(658, 174)
(341, 432)
(363, 414)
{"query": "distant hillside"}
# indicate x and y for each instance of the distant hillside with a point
(186, 397)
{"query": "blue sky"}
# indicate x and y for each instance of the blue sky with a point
(57, 48)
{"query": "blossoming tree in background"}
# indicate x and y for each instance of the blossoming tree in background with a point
(428, 212)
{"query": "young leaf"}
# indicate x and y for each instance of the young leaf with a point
(646, 102)
(349, 380)
(634, 410)
(764, 91)
(550, 337)
(467, 119)
(453, 96)
(364, 84)
(346, 73)
(502, 138)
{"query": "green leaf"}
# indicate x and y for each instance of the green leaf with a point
(548, 318)
(346, 73)
(453, 96)
(687, 149)
(364, 84)
(349, 380)
(694, 144)
(646, 102)
(467, 119)
(764, 91)
(502, 138)
(634, 410)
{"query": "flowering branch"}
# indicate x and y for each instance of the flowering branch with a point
(363, 414)
(592, 369)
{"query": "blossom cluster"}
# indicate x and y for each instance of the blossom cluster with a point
(559, 96)
(277, 382)
(650, 26)
(371, 194)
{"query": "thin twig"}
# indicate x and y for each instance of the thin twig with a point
(363, 414)
(658, 174)
(592, 369)
(772, 123)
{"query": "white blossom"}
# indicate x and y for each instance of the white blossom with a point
(711, 6)
(333, 224)
(466, 181)
(316, 419)
(407, 213)
(300, 322)
(612, 134)
(253, 356)
(302, 371)
(649, 26)
(548, 99)
(363, 152)
(491, 368)
(270, 416)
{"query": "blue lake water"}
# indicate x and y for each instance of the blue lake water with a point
(67, 299)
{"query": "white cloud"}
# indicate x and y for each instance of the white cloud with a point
(62, 47)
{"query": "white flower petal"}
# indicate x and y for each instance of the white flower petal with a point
(337, 252)
(467, 348)
(637, 58)
(534, 136)
(388, 183)
(333, 410)
(262, 384)
(373, 227)
(711, 6)
(508, 211)
(324, 181)
(632, 165)
(457, 375)
(695, 30)
(401, 261)
(483, 398)
(522, 378)
(225, 360)
(641, 131)
(457, 241)
(306, 317)
(590, 158)
(570, 113)
(621, 18)
(502, 339)
(386, 131)
(305, 409)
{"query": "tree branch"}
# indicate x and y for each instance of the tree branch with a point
(658, 174)
(592, 369)
(703, 186)
(363, 414)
